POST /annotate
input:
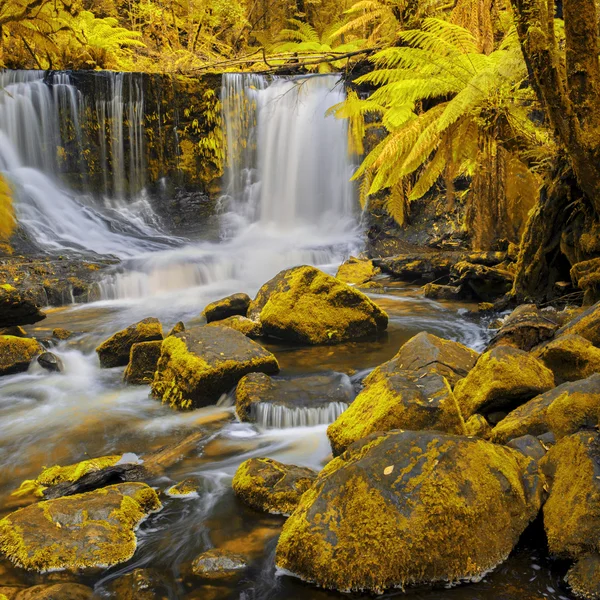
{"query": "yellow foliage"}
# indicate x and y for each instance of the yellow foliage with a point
(7, 214)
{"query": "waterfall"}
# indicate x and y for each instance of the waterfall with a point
(274, 416)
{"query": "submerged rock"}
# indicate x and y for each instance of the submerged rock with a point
(56, 591)
(236, 304)
(404, 400)
(405, 508)
(278, 402)
(18, 307)
(95, 529)
(114, 352)
(143, 360)
(16, 353)
(200, 364)
(306, 306)
(570, 357)
(270, 486)
(502, 379)
(248, 327)
(219, 564)
(50, 362)
(356, 271)
(140, 584)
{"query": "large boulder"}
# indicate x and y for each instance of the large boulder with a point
(18, 307)
(502, 379)
(16, 353)
(114, 352)
(570, 357)
(587, 325)
(278, 402)
(405, 508)
(356, 271)
(428, 353)
(143, 360)
(575, 405)
(236, 304)
(404, 400)
(526, 327)
(199, 364)
(270, 486)
(95, 529)
(306, 306)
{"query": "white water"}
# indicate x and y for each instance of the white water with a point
(273, 416)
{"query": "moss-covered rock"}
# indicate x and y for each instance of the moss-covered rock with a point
(219, 564)
(236, 304)
(143, 360)
(405, 400)
(427, 353)
(478, 426)
(306, 306)
(294, 394)
(532, 417)
(95, 529)
(441, 292)
(572, 510)
(407, 507)
(486, 283)
(56, 591)
(61, 334)
(584, 577)
(114, 352)
(16, 353)
(570, 357)
(270, 486)
(502, 379)
(200, 364)
(586, 324)
(188, 488)
(141, 584)
(248, 327)
(356, 271)
(179, 327)
(18, 307)
(526, 327)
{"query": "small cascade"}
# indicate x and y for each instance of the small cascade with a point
(273, 416)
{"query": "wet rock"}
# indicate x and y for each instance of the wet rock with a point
(478, 426)
(405, 508)
(356, 271)
(15, 331)
(586, 324)
(219, 564)
(584, 577)
(56, 591)
(306, 306)
(442, 292)
(236, 304)
(200, 364)
(86, 530)
(486, 283)
(428, 353)
(187, 488)
(570, 357)
(179, 327)
(270, 486)
(529, 446)
(405, 400)
(571, 516)
(143, 360)
(61, 334)
(249, 328)
(18, 307)
(114, 352)
(17, 353)
(502, 379)
(140, 584)
(526, 327)
(263, 398)
(50, 362)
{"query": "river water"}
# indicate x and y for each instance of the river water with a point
(287, 202)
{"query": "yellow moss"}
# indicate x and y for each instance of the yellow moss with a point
(356, 271)
(571, 412)
(16, 353)
(8, 287)
(187, 487)
(478, 426)
(242, 324)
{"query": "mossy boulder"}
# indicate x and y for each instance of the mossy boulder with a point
(270, 486)
(95, 529)
(502, 379)
(436, 291)
(236, 304)
(427, 353)
(258, 393)
(61, 334)
(572, 510)
(16, 353)
(586, 324)
(200, 364)
(356, 271)
(405, 507)
(114, 352)
(306, 306)
(248, 327)
(478, 426)
(526, 327)
(219, 564)
(18, 307)
(143, 360)
(405, 400)
(532, 417)
(584, 577)
(56, 591)
(570, 357)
